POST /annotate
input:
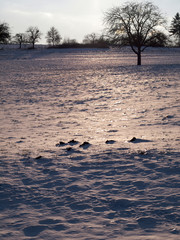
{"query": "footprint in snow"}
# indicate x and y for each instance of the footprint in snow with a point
(68, 149)
(85, 145)
(133, 139)
(167, 117)
(110, 142)
(138, 140)
(147, 222)
(121, 204)
(60, 144)
(73, 142)
(33, 231)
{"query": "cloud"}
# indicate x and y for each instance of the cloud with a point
(29, 13)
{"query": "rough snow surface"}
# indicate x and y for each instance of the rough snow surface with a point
(89, 145)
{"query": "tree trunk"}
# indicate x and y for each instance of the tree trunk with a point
(139, 57)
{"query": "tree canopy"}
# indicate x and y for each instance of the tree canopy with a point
(4, 33)
(136, 23)
(20, 38)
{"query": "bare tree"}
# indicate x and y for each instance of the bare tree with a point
(135, 22)
(20, 38)
(90, 38)
(34, 35)
(53, 37)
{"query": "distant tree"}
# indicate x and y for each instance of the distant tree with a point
(53, 37)
(103, 41)
(134, 22)
(33, 35)
(20, 38)
(159, 39)
(175, 28)
(4, 33)
(96, 40)
(90, 38)
(70, 41)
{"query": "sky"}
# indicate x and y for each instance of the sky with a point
(72, 18)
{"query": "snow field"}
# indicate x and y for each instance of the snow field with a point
(111, 188)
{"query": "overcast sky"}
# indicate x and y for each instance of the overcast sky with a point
(73, 18)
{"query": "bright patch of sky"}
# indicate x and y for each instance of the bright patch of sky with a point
(73, 18)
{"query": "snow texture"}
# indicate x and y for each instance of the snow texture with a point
(89, 144)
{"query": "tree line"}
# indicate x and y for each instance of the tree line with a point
(53, 38)
(138, 25)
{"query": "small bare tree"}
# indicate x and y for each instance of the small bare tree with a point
(90, 38)
(33, 34)
(53, 37)
(135, 22)
(20, 38)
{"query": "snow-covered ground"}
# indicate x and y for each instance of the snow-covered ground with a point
(110, 187)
